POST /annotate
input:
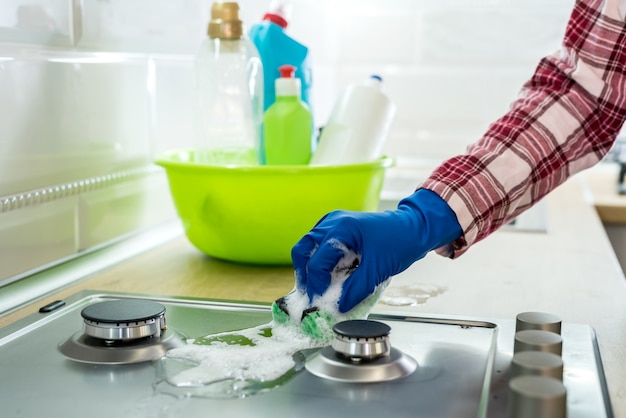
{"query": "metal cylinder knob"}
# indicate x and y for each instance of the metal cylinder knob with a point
(537, 363)
(538, 321)
(537, 397)
(536, 340)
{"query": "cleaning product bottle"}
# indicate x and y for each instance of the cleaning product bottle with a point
(358, 125)
(228, 92)
(287, 123)
(276, 48)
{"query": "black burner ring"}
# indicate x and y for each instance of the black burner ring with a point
(362, 328)
(123, 311)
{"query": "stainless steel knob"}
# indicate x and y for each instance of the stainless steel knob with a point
(537, 397)
(536, 340)
(537, 363)
(538, 321)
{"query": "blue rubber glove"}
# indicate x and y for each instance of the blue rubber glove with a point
(386, 243)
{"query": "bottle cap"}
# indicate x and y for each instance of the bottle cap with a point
(277, 19)
(374, 81)
(279, 13)
(287, 84)
(287, 71)
(225, 22)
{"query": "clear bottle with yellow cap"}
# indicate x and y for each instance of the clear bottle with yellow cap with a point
(229, 92)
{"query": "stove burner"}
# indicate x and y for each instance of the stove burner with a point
(121, 332)
(361, 352)
(124, 320)
(361, 340)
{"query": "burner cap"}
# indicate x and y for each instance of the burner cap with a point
(362, 328)
(126, 319)
(125, 310)
(361, 340)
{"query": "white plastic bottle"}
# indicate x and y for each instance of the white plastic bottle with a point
(229, 92)
(357, 127)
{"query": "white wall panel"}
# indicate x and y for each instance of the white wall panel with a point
(36, 235)
(171, 26)
(108, 213)
(173, 105)
(41, 22)
(69, 115)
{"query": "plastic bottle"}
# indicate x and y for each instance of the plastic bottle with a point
(276, 48)
(357, 127)
(229, 92)
(287, 123)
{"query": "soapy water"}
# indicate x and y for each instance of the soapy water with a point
(251, 361)
(236, 364)
(411, 295)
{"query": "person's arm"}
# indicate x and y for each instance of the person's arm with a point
(565, 120)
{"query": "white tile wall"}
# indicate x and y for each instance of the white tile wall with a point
(69, 115)
(143, 25)
(91, 87)
(173, 105)
(109, 213)
(451, 66)
(38, 22)
(35, 236)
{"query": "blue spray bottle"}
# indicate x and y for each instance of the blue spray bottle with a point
(276, 48)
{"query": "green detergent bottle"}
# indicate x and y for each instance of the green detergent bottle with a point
(288, 125)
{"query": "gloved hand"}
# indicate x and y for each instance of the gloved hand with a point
(386, 243)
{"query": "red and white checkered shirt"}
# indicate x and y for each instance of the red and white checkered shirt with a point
(565, 119)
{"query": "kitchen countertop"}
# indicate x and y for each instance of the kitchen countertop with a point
(570, 271)
(601, 192)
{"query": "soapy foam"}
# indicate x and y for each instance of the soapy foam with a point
(227, 368)
(267, 359)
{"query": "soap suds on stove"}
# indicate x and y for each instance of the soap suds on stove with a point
(265, 358)
(241, 363)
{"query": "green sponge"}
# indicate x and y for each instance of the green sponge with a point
(314, 323)
(278, 314)
(318, 324)
(318, 321)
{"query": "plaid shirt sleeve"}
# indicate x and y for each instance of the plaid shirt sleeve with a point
(565, 119)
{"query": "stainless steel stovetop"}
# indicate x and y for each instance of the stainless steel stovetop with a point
(463, 367)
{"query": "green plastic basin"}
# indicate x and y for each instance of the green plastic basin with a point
(255, 214)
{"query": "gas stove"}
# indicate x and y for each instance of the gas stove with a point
(103, 355)
(121, 332)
